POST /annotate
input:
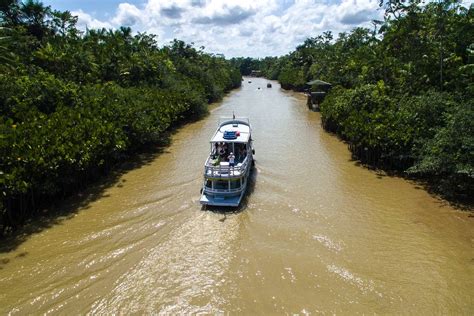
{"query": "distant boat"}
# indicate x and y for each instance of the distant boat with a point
(227, 169)
(269, 85)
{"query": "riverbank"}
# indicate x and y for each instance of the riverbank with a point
(350, 115)
(425, 137)
(70, 110)
(20, 208)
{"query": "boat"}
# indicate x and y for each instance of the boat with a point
(228, 167)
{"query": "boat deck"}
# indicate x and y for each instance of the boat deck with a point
(239, 126)
(223, 170)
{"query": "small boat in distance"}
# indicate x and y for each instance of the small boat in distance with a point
(227, 169)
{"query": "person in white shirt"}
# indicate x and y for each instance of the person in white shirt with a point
(231, 159)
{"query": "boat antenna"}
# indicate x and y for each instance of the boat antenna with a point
(233, 115)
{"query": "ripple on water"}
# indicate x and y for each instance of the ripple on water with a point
(364, 286)
(328, 243)
(182, 274)
(291, 274)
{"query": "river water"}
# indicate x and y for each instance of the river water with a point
(316, 233)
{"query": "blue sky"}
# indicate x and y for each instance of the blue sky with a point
(255, 28)
(99, 9)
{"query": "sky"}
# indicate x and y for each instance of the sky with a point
(250, 28)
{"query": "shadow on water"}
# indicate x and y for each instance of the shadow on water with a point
(462, 203)
(226, 210)
(59, 211)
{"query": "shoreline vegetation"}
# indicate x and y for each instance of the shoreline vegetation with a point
(403, 92)
(73, 105)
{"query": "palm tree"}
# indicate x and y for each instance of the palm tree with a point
(35, 14)
(6, 57)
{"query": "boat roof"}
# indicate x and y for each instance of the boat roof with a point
(232, 131)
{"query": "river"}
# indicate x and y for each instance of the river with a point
(316, 233)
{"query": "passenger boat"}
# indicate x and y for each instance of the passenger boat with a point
(227, 169)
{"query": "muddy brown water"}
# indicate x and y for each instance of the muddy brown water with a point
(317, 233)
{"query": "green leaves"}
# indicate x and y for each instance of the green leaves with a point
(449, 155)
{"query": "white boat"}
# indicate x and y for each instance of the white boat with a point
(225, 182)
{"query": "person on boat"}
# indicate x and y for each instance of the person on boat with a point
(243, 153)
(221, 149)
(231, 160)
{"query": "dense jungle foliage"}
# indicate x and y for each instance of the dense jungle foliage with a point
(73, 104)
(402, 93)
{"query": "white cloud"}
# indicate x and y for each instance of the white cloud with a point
(356, 11)
(241, 27)
(85, 21)
(128, 15)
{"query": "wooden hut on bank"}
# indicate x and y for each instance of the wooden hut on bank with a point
(256, 73)
(316, 92)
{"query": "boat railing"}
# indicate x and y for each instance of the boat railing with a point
(237, 190)
(228, 120)
(224, 170)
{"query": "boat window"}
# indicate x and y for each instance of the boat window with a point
(221, 185)
(209, 183)
(235, 184)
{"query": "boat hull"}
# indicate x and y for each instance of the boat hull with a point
(216, 200)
